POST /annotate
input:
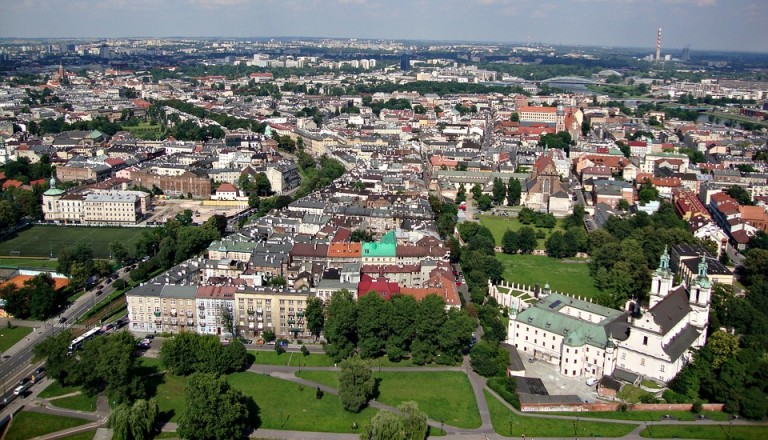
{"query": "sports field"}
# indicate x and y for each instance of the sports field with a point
(44, 240)
(566, 275)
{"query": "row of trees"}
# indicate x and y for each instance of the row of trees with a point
(36, 299)
(399, 328)
(187, 353)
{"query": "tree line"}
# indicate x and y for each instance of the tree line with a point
(399, 328)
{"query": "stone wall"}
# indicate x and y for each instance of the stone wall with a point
(614, 406)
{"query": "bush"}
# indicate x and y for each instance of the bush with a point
(696, 408)
(648, 398)
(319, 394)
(506, 387)
(623, 407)
(672, 397)
(304, 350)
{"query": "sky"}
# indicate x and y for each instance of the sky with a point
(734, 25)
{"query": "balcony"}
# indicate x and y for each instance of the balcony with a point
(174, 321)
(297, 329)
(201, 307)
(250, 325)
(157, 313)
(251, 311)
(190, 322)
(300, 314)
(173, 313)
(202, 324)
(259, 311)
(250, 319)
(158, 321)
(201, 316)
(190, 314)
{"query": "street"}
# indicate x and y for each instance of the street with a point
(18, 364)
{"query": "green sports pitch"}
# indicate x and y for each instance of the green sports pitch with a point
(47, 241)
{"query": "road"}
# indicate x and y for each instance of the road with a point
(18, 365)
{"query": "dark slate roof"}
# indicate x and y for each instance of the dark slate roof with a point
(608, 382)
(624, 375)
(670, 310)
(681, 342)
(531, 385)
(515, 363)
(554, 399)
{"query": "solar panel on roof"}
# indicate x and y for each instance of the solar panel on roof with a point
(554, 304)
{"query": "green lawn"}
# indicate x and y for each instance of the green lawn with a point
(646, 416)
(10, 336)
(86, 435)
(28, 263)
(271, 357)
(499, 225)
(509, 424)
(715, 432)
(170, 394)
(44, 240)
(55, 389)
(287, 405)
(632, 394)
(568, 276)
(80, 402)
(30, 424)
(445, 396)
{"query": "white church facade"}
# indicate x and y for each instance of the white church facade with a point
(588, 340)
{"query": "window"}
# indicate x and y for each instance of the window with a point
(645, 340)
(661, 368)
(623, 355)
(642, 361)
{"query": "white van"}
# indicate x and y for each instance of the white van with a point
(19, 390)
(591, 381)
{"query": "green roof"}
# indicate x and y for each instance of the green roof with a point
(546, 314)
(386, 247)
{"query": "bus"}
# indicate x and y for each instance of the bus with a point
(78, 342)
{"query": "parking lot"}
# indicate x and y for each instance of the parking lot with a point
(557, 383)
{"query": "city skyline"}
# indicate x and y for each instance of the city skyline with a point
(700, 24)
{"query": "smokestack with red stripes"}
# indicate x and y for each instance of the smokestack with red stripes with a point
(658, 46)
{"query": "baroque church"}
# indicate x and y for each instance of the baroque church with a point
(588, 340)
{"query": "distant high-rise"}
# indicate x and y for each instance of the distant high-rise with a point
(405, 62)
(686, 55)
(658, 46)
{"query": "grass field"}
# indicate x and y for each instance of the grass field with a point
(29, 424)
(714, 432)
(44, 240)
(55, 389)
(170, 394)
(145, 130)
(445, 396)
(10, 336)
(647, 416)
(270, 357)
(290, 406)
(498, 225)
(567, 276)
(80, 402)
(509, 424)
(86, 435)
(28, 263)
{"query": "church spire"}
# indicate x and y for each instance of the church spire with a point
(664, 260)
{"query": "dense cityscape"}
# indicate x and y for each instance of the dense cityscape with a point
(217, 238)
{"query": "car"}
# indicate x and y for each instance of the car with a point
(99, 292)
(458, 283)
(100, 286)
(283, 343)
(6, 357)
(149, 336)
(591, 381)
(271, 343)
(62, 320)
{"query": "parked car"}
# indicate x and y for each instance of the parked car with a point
(591, 381)
(62, 320)
(99, 292)
(149, 336)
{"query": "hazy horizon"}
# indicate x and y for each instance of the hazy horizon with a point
(734, 26)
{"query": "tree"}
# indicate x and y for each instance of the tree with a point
(78, 253)
(136, 422)
(499, 191)
(218, 223)
(488, 359)
(477, 191)
(409, 423)
(315, 316)
(356, 383)
(741, 195)
(484, 202)
(341, 326)
(361, 235)
(723, 346)
(108, 364)
(58, 364)
(647, 192)
(461, 193)
(514, 190)
(515, 117)
(214, 410)
(509, 242)
(556, 246)
(372, 325)
(118, 251)
(526, 239)
(585, 127)
(623, 205)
